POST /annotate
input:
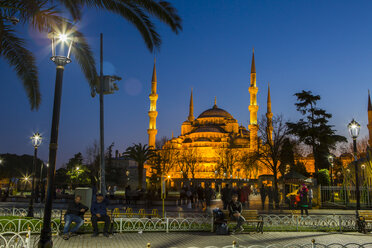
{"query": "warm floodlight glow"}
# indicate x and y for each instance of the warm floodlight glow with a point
(77, 168)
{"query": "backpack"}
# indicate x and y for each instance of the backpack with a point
(218, 215)
(222, 229)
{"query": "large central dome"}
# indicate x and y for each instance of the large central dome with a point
(216, 112)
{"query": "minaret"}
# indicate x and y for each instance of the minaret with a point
(269, 117)
(152, 131)
(253, 107)
(369, 120)
(191, 109)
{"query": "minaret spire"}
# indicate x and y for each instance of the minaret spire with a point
(253, 66)
(253, 107)
(215, 102)
(269, 117)
(191, 109)
(152, 131)
(369, 120)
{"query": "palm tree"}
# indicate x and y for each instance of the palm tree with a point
(139, 153)
(44, 16)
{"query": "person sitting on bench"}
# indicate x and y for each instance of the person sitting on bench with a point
(75, 213)
(99, 213)
(235, 211)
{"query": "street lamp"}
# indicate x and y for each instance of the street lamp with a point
(36, 142)
(106, 86)
(363, 166)
(354, 128)
(330, 160)
(58, 40)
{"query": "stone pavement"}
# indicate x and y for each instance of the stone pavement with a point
(204, 240)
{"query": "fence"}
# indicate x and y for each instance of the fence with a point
(340, 223)
(22, 212)
(23, 225)
(181, 221)
(345, 196)
(15, 240)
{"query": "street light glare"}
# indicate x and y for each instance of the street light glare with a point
(63, 37)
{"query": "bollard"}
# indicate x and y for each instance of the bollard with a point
(148, 245)
(313, 243)
(234, 244)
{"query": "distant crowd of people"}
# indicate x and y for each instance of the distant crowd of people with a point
(196, 196)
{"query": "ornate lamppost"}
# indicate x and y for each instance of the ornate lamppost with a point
(354, 128)
(60, 62)
(36, 142)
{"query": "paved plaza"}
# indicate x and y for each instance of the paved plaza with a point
(204, 240)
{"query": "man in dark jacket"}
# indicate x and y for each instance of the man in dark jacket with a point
(226, 196)
(99, 213)
(75, 213)
(235, 211)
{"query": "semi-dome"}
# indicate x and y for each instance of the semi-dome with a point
(215, 112)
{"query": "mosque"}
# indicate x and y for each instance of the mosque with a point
(213, 145)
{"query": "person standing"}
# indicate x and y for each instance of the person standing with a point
(75, 213)
(270, 195)
(310, 197)
(99, 213)
(226, 196)
(235, 211)
(263, 195)
(303, 191)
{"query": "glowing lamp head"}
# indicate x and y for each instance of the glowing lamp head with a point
(168, 176)
(1, 161)
(330, 159)
(36, 140)
(77, 168)
(63, 37)
(363, 166)
(127, 173)
(354, 128)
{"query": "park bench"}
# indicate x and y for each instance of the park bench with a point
(250, 216)
(130, 214)
(364, 219)
(87, 219)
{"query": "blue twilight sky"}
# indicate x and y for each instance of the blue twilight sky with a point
(322, 46)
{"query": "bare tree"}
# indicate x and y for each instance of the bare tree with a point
(269, 153)
(362, 145)
(161, 142)
(191, 159)
(227, 160)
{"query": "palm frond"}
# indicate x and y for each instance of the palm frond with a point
(130, 11)
(23, 62)
(164, 11)
(84, 57)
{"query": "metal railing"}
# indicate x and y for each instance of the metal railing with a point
(23, 225)
(15, 240)
(186, 222)
(345, 196)
(22, 212)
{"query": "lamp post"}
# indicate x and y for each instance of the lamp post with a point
(60, 62)
(363, 166)
(36, 142)
(106, 86)
(330, 160)
(354, 128)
